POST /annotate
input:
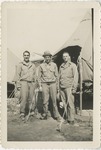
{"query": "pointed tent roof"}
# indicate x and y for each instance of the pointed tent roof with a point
(81, 40)
(81, 37)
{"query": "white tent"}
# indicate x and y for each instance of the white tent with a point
(80, 43)
(12, 61)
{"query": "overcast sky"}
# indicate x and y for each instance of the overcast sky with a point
(41, 29)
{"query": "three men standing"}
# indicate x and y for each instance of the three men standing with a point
(50, 83)
(26, 81)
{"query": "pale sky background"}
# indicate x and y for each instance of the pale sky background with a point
(41, 29)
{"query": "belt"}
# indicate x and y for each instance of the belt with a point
(27, 81)
(48, 83)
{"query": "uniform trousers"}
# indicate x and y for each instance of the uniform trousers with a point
(27, 96)
(68, 101)
(49, 90)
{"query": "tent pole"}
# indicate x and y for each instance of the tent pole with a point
(80, 66)
(15, 79)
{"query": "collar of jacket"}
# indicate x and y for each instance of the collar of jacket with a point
(48, 63)
(65, 65)
(28, 65)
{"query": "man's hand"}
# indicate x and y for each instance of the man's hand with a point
(18, 88)
(73, 92)
(18, 85)
(61, 105)
(40, 88)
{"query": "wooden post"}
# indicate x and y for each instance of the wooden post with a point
(80, 69)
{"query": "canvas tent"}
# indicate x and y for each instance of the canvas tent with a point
(79, 46)
(12, 61)
(80, 43)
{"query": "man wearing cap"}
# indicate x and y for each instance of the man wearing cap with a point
(68, 81)
(48, 83)
(26, 81)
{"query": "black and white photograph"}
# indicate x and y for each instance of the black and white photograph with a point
(50, 56)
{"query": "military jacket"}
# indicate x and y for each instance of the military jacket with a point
(48, 73)
(26, 72)
(68, 76)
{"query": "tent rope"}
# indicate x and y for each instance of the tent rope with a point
(12, 94)
(90, 66)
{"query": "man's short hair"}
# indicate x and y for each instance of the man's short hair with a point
(65, 53)
(26, 52)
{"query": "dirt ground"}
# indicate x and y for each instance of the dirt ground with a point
(45, 130)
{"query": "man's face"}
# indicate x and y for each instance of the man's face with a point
(66, 57)
(26, 57)
(47, 59)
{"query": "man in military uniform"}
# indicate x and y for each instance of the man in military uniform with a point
(68, 81)
(26, 81)
(48, 83)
